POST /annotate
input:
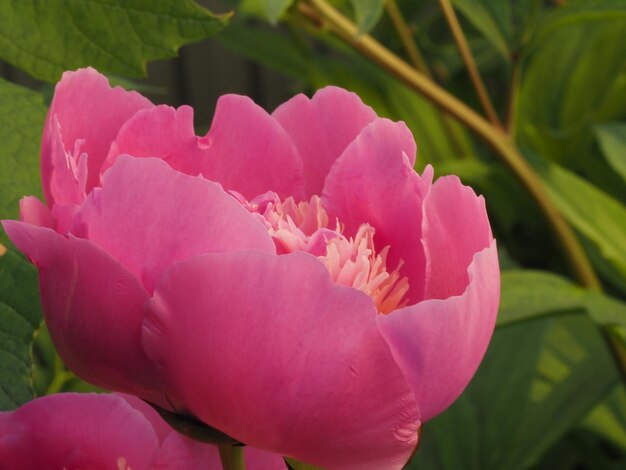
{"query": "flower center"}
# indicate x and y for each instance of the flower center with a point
(354, 261)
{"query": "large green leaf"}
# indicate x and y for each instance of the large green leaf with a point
(527, 294)
(22, 115)
(574, 77)
(116, 36)
(503, 23)
(20, 316)
(612, 138)
(597, 216)
(538, 380)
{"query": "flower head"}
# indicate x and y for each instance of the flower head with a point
(288, 279)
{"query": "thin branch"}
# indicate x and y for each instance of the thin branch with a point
(469, 61)
(406, 36)
(417, 59)
(493, 136)
(511, 110)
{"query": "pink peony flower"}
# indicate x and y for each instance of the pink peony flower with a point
(107, 432)
(287, 279)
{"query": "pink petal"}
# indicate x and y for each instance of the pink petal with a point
(270, 351)
(245, 150)
(250, 152)
(86, 107)
(455, 228)
(34, 212)
(322, 127)
(165, 133)
(68, 168)
(440, 343)
(149, 216)
(374, 182)
(93, 308)
(73, 430)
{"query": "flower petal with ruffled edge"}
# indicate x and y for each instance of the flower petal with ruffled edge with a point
(149, 216)
(374, 182)
(93, 308)
(85, 107)
(301, 384)
(245, 149)
(321, 128)
(455, 228)
(440, 343)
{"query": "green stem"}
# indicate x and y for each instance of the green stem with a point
(470, 63)
(512, 100)
(406, 37)
(232, 457)
(417, 59)
(496, 138)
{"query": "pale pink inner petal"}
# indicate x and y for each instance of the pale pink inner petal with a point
(351, 261)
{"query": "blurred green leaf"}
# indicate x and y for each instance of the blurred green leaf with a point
(22, 116)
(270, 10)
(268, 47)
(116, 36)
(527, 294)
(596, 215)
(503, 23)
(367, 13)
(612, 138)
(538, 379)
(20, 316)
(574, 78)
(608, 419)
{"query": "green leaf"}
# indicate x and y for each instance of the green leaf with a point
(608, 419)
(271, 10)
(612, 139)
(116, 36)
(573, 78)
(22, 116)
(595, 215)
(537, 381)
(503, 23)
(20, 316)
(367, 13)
(527, 294)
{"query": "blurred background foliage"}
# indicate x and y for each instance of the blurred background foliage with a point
(550, 392)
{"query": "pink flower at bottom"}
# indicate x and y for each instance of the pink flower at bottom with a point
(72, 431)
(288, 279)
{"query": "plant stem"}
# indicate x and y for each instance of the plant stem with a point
(512, 100)
(496, 138)
(470, 63)
(232, 457)
(406, 36)
(61, 376)
(417, 59)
